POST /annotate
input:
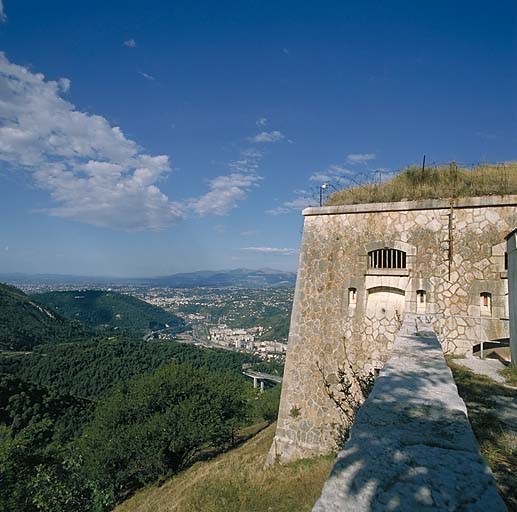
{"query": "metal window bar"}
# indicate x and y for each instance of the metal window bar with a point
(387, 258)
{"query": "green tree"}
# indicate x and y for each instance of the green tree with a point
(156, 424)
(64, 486)
(266, 404)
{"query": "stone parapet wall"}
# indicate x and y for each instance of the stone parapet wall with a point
(511, 245)
(343, 310)
(424, 204)
(411, 446)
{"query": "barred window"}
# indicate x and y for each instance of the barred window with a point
(386, 258)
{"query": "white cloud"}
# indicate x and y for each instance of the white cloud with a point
(302, 199)
(3, 17)
(93, 173)
(273, 136)
(227, 190)
(281, 251)
(279, 210)
(251, 232)
(360, 157)
(147, 76)
(130, 43)
(262, 121)
(64, 84)
(224, 194)
(249, 161)
(335, 174)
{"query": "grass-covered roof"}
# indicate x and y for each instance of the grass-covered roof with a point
(437, 182)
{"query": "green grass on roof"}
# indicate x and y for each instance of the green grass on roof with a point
(437, 182)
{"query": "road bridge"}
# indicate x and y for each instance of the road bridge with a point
(259, 378)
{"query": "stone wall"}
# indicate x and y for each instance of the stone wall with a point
(512, 292)
(454, 253)
(411, 446)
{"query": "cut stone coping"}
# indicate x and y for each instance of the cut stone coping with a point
(411, 446)
(422, 204)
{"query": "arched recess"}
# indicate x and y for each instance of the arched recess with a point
(385, 302)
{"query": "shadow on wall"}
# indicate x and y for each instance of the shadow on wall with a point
(411, 446)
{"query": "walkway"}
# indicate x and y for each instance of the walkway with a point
(487, 367)
(411, 446)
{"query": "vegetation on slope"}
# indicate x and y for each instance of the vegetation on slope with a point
(153, 426)
(498, 442)
(84, 424)
(23, 403)
(434, 183)
(90, 369)
(61, 453)
(237, 481)
(102, 309)
(25, 322)
(510, 374)
(37, 469)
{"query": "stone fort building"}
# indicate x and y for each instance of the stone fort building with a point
(365, 267)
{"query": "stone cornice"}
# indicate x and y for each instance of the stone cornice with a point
(424, 204)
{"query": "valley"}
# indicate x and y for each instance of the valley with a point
(104, 391)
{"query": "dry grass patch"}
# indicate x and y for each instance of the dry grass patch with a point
(510, 374)
(498, 441)
(434, 183)
(237, 481)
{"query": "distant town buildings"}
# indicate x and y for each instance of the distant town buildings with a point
(232, 318)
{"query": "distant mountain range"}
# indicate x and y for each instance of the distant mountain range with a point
(243, 278)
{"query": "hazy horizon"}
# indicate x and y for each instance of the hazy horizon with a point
(151, 276)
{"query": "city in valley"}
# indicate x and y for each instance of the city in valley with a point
(252, 320)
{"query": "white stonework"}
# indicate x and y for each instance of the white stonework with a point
(454, 260)
(512, 292)
(411, 447)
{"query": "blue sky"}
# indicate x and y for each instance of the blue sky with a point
(146, 138)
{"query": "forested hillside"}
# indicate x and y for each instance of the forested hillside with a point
(85, 423)
(23, 403)
(111, 310)
(91, 368)
(82, 425)
(26, 322)
(59, 453)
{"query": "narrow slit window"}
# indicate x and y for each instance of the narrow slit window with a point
(352, 297)
(485, 303)
(421, 301)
